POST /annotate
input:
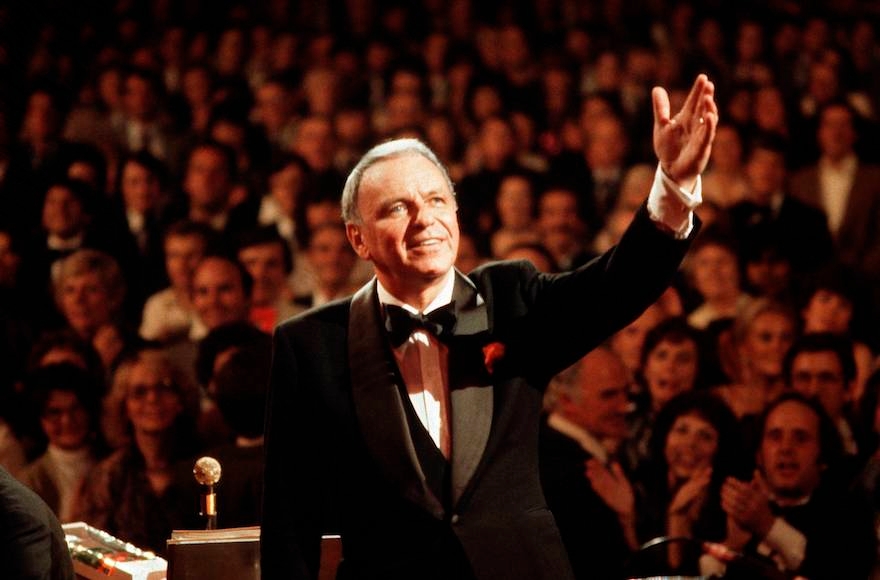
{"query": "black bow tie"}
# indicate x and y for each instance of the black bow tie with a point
(400, 322)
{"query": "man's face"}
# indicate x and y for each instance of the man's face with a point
(790, 450)
(315, 142)
(331, 256)
(409, 228)
(827, 311)
(140, 188)
(85, 303)
(63, 212)
(207, 180)
(182, 254)
(557, 209)
(715, 272)
(265, 263)
(765, 171)
(602, 402)
(820, 375)
(139, 98)
(218, 293)
(10, 260)
(836, 134)
(285, 187)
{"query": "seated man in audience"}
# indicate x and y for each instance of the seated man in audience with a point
(821, 365)
(793, 516)
(268, 259)
(591, 499)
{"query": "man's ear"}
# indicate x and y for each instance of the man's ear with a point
(356, 239)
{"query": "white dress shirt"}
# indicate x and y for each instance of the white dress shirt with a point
(423, 363)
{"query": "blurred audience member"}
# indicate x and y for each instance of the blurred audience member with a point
(168, 314)
(149, 420)
(582, 475)
(66, 401)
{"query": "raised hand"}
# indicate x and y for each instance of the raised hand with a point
(683, 142)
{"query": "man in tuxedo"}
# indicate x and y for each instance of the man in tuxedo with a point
(418, 443)
(32, 544)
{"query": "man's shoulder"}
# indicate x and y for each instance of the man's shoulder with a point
(334, 312)
(500, 270)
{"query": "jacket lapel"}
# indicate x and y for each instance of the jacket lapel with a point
(471, 393)
(376, 393)
(379, 406)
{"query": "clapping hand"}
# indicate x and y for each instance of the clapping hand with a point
(683, 142)
(748, 504)
(611, 484)
(689, 498)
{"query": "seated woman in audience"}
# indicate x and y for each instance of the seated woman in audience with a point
(671, 363)
(752, 353)
(64, 345)
(515, 212)
(149, 419)
(628, 342)
(724, 182)
(66, 401)
(694, 446)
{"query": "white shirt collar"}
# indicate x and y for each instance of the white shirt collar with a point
(583, 437)
(55, 242)
(442, 299)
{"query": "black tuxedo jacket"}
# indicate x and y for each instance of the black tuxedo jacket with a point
(590, 529)
(344, 455)
(32, 541)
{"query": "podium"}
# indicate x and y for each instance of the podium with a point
(232, 554)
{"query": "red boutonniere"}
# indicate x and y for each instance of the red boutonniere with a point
(492, 352)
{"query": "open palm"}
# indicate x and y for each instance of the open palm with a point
(683, 142)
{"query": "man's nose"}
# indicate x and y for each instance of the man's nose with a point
(423, 214)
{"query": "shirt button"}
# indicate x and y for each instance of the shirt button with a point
(454, 519)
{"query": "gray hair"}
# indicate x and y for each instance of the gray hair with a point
(86, 261)
(382, 152)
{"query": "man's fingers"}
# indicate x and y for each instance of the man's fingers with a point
(660, 99)
(701, 85)
(759, 483)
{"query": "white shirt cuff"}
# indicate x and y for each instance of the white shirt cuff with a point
(673, 206)
(711, 566)
(788, 542)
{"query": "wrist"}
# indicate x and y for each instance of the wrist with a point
(685, 182)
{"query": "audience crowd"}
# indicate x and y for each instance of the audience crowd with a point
(170, 175)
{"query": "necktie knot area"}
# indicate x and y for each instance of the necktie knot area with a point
(401, 323)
